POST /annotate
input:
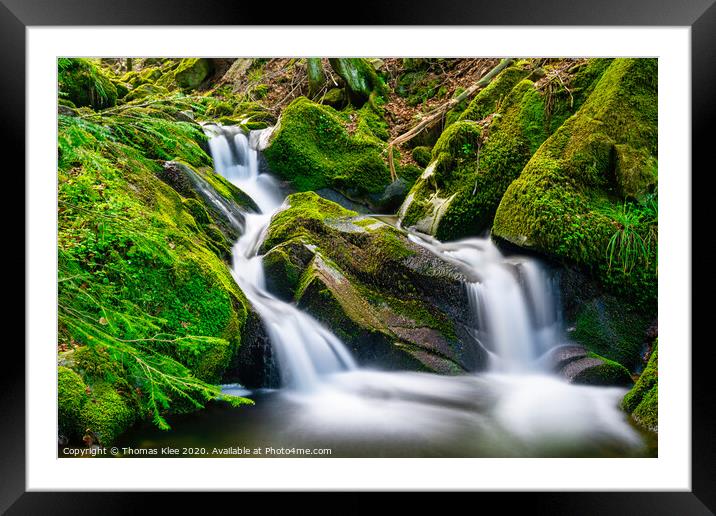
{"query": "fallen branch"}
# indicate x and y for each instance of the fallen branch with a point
(437, 113)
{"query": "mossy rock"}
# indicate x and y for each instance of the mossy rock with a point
(335, 97)
(313, 149)
(422, 155)
(137, 264)
(597, 370)
(488, 100)
(283, 266)
(642, 401)
(360, 78)
(382, 294)
(71, 396)
(145, 90)
(459, 191)
(610, 327)
(567, 200)
(85, 84)
(636, 171)
(192, 72)
(106, 413)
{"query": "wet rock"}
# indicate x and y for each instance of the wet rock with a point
(595, 370)
(394, 303)
(254, 365)
(225, 203)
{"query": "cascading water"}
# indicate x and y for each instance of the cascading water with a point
(513, 409)
(515, 316)
(305, 349)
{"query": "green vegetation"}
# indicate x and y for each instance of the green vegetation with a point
(139, 284)
(642, 401)
(354, 274)
(554, 156)
(83, 83)
(313, 148)
(563, 203)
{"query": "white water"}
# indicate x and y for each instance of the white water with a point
(305, 349)
(514, 409)
(513, 301)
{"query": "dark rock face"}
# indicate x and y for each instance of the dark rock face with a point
(601, 322)
(254, 365)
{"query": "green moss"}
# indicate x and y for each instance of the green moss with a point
(417, 86)
(144, 91)
(458, 142)
(219, 109)
(489, 99)
(642, 401)
(608, 372)
(611, 328)
(281, 266)
(360, 78)
(313, 149)
(71, 396)
(335, 97)
(106, 413)
(141, 287)
(470, 191)
(197, 210)
(191, 72)
(122, 88)
(307, 211)
(636, 171)
(85, 84)
(422, 156)
(561, 103)
(563, 203)
(454, 114)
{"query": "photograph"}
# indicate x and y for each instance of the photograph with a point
(357, 257)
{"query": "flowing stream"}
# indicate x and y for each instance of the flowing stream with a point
(516, 408)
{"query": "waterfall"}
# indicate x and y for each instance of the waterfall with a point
(305, 349)
(516, 408)
(515, 315)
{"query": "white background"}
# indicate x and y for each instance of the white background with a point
(671, 470)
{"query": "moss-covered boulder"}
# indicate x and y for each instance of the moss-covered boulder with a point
(192, 72)
(71, 397)
(143, 91)
(395, 304)
(106, 414)
(335, 97)
(568, 202)
(642, 401)
(85, 84)
(144, 296)
(596, 370)
(422, 155)
(460, 190)
(580, 366)
(313, 148)
(360, 78)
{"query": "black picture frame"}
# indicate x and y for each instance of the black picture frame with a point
(700, 15)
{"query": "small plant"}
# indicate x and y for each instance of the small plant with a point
(636, 237)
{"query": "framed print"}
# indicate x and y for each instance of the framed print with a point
(383, 256)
